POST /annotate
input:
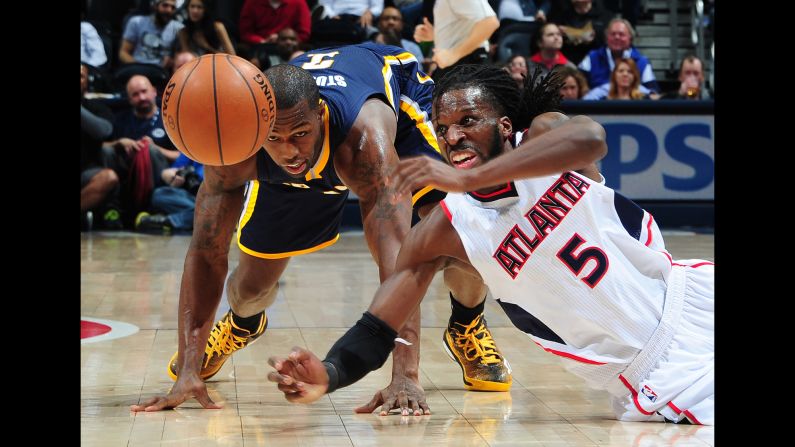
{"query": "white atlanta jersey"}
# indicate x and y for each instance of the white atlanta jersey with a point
(584, 272)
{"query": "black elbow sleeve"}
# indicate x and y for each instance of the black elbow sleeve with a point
(364, 348)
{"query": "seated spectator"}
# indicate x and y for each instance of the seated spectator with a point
(520, 16)
(390, 28)
(92, 51)
(203, 34)
(523, 10)
(363, 12)
(583, 25)
(624, 84)
(149, 39)
(600, 63)
(691, 79)
(345, 21)
(517, 67)
(411, 10)
(574, 84)
(174, 203)
(269, 55)
(140, 148)
(98, 184)
(261, 20)
(549, 41)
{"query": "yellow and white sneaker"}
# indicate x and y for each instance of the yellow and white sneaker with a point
(483, 366)
(225, 338)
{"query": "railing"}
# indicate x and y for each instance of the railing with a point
(697, 28)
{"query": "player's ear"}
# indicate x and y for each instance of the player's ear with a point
(506, 126)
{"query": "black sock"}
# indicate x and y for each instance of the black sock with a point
(462, 314)
(250, 324)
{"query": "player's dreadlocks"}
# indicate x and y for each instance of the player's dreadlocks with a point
(539, 94)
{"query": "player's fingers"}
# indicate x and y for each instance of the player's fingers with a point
(276, 362)
(162, 403)
(142, 406)
(205, 400)
(369, 407)
(288, 389)
(299, 354)
(403, 401)
(281, 379)
(412, 182)
(389, 403)
(295, 397)
(415, 407)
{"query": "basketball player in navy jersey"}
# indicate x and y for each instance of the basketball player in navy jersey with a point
(343, 119)
(579, 268)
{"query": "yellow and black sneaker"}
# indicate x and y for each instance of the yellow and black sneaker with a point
(225, 338)
(473, 348)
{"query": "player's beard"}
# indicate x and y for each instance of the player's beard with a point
(494, 148)
(496, 145)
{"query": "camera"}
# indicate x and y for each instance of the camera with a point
(192, 179)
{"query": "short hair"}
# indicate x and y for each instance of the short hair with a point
(539, 94)
(291, 85)
(690, 58)
(632, 32)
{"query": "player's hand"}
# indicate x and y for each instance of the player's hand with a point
(424, 31)
(415, 173)
(444, 57)
(404, 394)
(301, 376)
(186, 386)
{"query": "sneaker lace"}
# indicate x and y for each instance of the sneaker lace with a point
(476, 339)
(223, 341)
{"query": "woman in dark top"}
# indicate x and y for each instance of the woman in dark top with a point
(202, 34)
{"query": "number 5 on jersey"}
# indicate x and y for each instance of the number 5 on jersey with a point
(576, 261)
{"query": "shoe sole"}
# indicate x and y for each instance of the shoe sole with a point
(174, 376)
(475, 384)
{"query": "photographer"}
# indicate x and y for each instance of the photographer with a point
(173, 204)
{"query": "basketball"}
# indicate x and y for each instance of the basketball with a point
(218, 109)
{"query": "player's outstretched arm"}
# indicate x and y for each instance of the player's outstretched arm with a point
(578, 142)
(218, 205)
(367, 157)
(428, 248)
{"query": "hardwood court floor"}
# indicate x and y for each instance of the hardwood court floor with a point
(135, 279)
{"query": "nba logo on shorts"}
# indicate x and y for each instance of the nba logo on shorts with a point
(649, 393)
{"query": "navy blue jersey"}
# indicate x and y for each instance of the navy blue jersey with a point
(127, 125)
(285, 216)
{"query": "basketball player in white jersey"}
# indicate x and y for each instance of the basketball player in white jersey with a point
(575, 265)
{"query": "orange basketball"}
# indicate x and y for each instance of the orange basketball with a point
(218, 109)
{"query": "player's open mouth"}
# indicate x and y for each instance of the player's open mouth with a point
(295, 168)
(463, 159)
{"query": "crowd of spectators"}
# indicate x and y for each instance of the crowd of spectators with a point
(126, 156)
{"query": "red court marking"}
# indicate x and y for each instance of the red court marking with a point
(91, 329)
